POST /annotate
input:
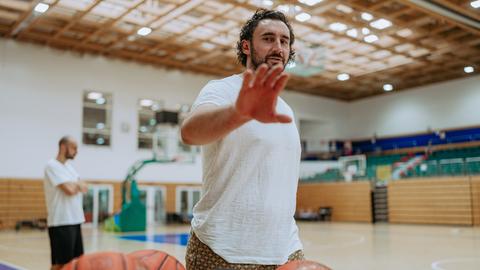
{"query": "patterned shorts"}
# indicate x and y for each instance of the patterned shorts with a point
(200, 257)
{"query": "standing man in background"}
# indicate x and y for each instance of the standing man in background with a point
(251, 156)
(63, 196)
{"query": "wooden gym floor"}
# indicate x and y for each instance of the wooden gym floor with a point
(343, 246)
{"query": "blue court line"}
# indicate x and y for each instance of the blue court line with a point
(7, 267)
(178, 239)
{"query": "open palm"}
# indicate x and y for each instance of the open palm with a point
(258, 96)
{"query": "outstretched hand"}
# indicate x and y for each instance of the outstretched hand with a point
(258, 96)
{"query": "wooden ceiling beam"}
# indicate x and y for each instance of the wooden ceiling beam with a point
(35, 19)
(398, 12)
(160, 20)
(63, 41)
(17, 5)
(376, 6)
(131, 55)
(459, 9)
(441, 17)
(75, 19)
(220, 15)
(338, 35)
(416, 41)
(379, 33)
(322, 7)
(110, 23)
(23, 18)
(4, 29)
(174, 64)
(449, 49)
(9, 15)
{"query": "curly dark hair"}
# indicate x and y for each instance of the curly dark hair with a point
(249, 27)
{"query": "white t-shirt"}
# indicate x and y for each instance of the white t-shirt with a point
(62, 209)
(250, 182)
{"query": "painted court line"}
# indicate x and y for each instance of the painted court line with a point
(8, 266)
(437, 265)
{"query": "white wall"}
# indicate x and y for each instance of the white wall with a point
(41, 100)
(452, 104)
(329, 116)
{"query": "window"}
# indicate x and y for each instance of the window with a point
(96, 118)
(147, 121)
(161, 126)
(186, 198)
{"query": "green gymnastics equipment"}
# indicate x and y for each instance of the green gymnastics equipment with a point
(133, 216)
(167, 148)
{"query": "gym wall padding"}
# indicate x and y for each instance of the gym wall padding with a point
(24, 199)
(349, 201)
(436, 200)
(475, 182)
(21, 199)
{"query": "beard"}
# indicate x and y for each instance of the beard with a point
(69, 156)
(257, 61)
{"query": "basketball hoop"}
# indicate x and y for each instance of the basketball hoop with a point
(310, 60)
(167, 145)
(351, 166)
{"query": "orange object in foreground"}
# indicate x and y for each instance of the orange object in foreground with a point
(151, 259)
(102, 261)
(303, 265)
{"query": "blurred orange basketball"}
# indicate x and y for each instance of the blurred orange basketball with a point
(151, 259)
(102, 261)
(303, 265)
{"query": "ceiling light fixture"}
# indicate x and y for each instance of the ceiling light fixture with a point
(468, 69)
(352, 33)
(132, 38)
(268, 3)
(338, 27)
(208, 46)
(343, 77)
(475, 4)
(367, 16)
(370, 38)
(144, 31)
(387, 87)
(405, 32)
(344, 9)
(381, 24)
(41, 7)
(303, 17)
(365, 31)
(310, 2)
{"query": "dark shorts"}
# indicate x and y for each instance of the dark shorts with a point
(65, 243)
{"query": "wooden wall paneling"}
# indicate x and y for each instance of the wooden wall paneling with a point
(475, 189)
(349, 201)
(445, 200)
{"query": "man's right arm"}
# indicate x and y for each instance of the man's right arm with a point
(72, 188)
(256, 100)
(209, 123)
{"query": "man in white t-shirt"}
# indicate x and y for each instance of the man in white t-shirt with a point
(63, 196)
(251, 155)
